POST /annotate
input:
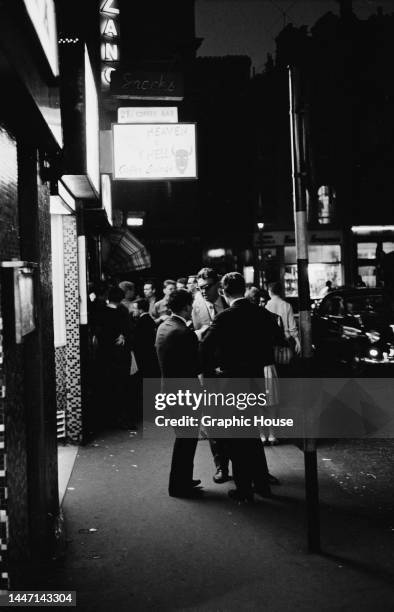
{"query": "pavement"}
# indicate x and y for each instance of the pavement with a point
(132, 547)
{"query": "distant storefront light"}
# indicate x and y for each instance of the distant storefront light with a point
(135, 221)
(215, 253)
(260, 225)
(369, 229)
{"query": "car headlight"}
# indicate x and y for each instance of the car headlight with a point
(373, 336)
(373, 352)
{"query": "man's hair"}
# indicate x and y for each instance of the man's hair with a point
(276, 288)
(329, 284)
(150, 282)
(208, 274)
(179, 299)
(126, 286)
(233, 283)
(169, 281)
(182, 280)
(142, 304)
(116, 295)
(193, 276)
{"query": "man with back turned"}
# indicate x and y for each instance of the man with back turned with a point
(240, 342)
(177, 351)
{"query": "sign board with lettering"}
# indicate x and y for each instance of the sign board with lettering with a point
(154, 151)
(147, 85)
(145, 114)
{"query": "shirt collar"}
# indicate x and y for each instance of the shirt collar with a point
(179, 317)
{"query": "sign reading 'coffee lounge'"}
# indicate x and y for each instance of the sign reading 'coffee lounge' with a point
(147, 85)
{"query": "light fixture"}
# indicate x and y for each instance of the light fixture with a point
(214, 253)
(135, 221)
(260, 225)
(368, 229)
(66, 195)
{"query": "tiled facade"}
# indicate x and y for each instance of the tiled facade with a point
(12, 426)
(73, 369)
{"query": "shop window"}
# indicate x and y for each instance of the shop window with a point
(366, 250)
(368, 274)
(59, 310)
(324, 265)
(388, 247)
(290, 255)
(325, 253)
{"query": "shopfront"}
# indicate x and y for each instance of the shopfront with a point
(326, 259)
(371, 244)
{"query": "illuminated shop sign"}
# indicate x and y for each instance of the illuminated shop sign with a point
(147, 83)
(43, 17)
(92, 125)
(154, 151)
(109, 29)
(148, 114)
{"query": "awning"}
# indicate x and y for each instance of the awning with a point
(122, 252)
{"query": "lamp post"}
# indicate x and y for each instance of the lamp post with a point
(260, 255)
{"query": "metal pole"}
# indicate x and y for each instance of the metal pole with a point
(297, 137)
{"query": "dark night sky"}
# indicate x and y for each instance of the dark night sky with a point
(249, 27)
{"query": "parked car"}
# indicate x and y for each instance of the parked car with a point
(354, 327)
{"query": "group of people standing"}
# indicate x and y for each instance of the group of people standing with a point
(203, 327)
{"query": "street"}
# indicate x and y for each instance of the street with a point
(131, 546)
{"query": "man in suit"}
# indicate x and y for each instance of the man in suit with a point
(207, 304)
(177, 351)
(143, 340)
(161, 310)
(240, 342)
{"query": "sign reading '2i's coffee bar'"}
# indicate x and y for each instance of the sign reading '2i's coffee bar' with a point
(109, 29)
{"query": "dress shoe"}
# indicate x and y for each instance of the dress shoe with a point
(241, 497)
(190, 493)
(272, 480)
(272, 441)
(221, 477)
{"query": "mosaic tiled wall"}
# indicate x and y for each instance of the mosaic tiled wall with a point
(12, 428)
(61, 377)
(73, 377)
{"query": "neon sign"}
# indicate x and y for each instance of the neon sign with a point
(109, 29)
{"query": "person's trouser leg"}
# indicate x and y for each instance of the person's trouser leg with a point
(259, 467)
(219, 449)
(181, 473)
(242, 464)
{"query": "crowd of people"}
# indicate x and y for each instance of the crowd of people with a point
(204, 326)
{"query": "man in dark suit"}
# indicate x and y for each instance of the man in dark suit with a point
(177, 351)
(240, 342)
(143, 340)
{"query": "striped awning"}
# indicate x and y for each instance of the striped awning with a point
(125, 253)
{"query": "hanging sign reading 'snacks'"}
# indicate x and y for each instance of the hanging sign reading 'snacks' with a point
(154, 151)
